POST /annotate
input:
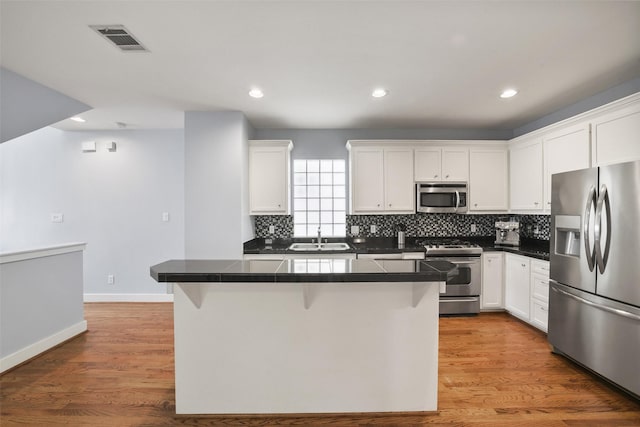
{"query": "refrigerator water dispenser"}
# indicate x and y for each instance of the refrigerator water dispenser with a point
(567, 231)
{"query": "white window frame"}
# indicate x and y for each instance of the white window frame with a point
(319, 197)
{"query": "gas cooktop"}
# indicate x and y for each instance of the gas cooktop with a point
(449, 247)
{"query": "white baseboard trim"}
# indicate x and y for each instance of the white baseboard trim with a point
(41, 346)
(128, 297)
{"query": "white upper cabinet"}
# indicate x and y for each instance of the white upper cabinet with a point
(616, 136)
(381, 180)
(526, 175)
(441, 164)
(399, 188)
(428, 164)
(367, 179)
(565, 150)
(488, 179)
(269, 183)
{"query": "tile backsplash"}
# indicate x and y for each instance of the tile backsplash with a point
(420, 224)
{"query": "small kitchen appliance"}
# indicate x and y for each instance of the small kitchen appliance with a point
(441, 197)
(508, 233)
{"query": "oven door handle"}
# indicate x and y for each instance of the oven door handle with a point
(452, 261)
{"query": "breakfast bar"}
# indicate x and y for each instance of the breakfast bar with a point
(305, 335)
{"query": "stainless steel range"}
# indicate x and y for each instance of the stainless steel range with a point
(462, 296)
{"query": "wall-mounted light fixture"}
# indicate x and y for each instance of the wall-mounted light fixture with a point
(89, 147)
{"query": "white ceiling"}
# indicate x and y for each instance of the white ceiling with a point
(443, 62)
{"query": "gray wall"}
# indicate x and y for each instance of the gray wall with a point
(28, 106)
(597, 100)
(330, 143)
(217, 218)
(113, 201)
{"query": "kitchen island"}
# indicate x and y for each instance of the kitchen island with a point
(305, 335)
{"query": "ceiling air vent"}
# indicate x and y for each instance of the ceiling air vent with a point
(120, 37)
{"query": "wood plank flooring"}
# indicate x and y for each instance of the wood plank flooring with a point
(494, 371)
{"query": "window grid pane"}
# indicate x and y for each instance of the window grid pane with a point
(319, 198)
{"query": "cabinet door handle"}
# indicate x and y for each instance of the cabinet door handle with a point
(535, 203)
(389, 204)
(378, 205)
(435, 176)
(447, 176)
(548, 203)
(524, 265)
(475, 204)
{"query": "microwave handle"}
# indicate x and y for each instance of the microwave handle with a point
(457, 200)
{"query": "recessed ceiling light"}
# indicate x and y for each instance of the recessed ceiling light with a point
(256, 93)
(78, 119)
(508, 93)
(379, 93)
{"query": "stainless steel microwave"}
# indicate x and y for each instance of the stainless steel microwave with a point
(441, 197)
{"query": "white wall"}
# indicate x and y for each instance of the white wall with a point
(111, 201)
(216, 190)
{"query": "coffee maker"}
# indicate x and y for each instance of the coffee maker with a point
(508, 233)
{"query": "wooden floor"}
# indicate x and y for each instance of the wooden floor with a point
(494, 371)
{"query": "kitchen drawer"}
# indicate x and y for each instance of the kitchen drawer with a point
(540, 287)
(412, 255)
(539, 314)
(540, 267)
(397, 255)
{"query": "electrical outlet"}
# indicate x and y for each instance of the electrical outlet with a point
(57, 217)
(111, 279)
(355, 230)
(165, 216)
(272, 229)
(372, 229)
(536, 230)
(473, 228)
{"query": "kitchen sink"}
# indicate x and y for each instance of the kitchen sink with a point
(323, 247)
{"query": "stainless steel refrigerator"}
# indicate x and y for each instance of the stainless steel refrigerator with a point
(594, 291)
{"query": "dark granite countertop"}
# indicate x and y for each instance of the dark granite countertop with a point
(533, 248)
(371, 245)
(303, 270)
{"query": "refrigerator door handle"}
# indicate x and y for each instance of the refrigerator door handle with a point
(589, 252)
(612, 310)
(603, 201)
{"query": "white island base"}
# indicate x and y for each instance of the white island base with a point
(259, 348)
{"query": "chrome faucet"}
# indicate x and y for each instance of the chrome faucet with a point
(319, 238)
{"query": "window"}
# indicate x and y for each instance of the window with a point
(319, 198)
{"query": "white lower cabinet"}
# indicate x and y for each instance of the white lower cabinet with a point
(280, 257)
(527, 289)
(539, 294)
(396, 255)
(517, 285)
(492, 295)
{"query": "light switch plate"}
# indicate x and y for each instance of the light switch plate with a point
(57, 217)
(272, 229)
(355, 230)
(372, 229)
(165, 216)
(473, 228)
